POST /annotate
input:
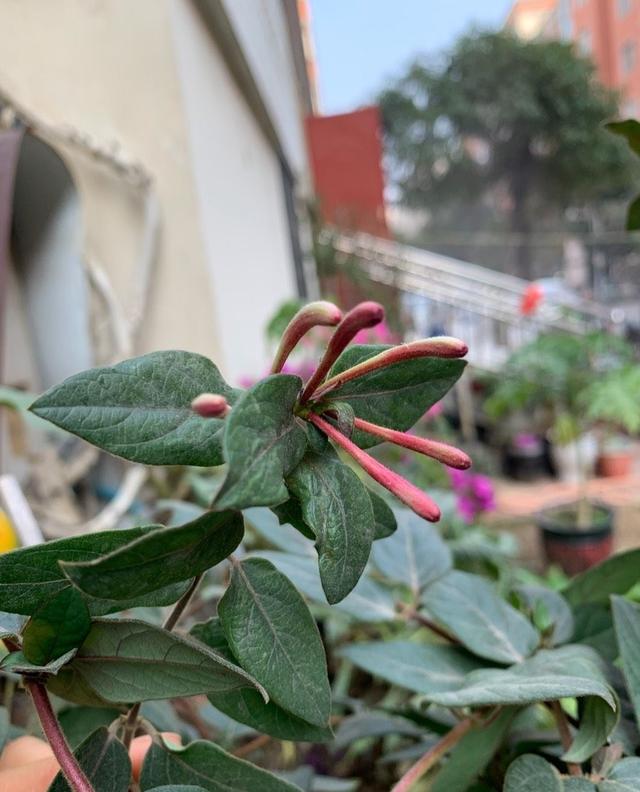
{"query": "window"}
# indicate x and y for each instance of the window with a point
(628, 57)
(624, 6)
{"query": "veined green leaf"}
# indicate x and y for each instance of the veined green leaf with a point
(615, 575)
(625, 777)
(384, 520)
(31, 576)
(105, 762)
(59, 625)
(597, 722)
(531, 773)
(127, 660)
(469, 607)
(626, 616)
(263, 443)
(247, 706)
(159, 558)
(207, 765)
(140, 409)
(422, 668)
(337, 507)
(272, 633)
(415, 556)
(17, 663)
(395, 396)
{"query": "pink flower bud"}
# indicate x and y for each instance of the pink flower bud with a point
(365, 314)
(210, 405)
(312, 315)
(408, 493)
(441, 346)
(447, 454)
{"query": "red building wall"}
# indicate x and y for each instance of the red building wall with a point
(346, 160)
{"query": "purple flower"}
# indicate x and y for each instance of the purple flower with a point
(475, 493)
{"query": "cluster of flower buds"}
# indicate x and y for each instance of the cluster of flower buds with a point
(318, 388)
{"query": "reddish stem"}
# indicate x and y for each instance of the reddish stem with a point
(72, 771)
(364, 315)
(314, 314)
(404, 490)
(440, 347)
(448, 454)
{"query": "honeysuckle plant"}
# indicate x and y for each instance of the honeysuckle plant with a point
(261, 658)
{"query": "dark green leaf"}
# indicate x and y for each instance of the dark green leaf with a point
(17, 663)
(272, 633)
(422, 668)
(628, 129)
(395, 396)
(140, 409)
(384, 519)
(472, 754)
(337, 508)
(625, 777)
(615, 575)
(77, 722)
(290, 513)
(247, 706)
(415, 556)
(105, 762)
(125, 661)
(341, 414)
(31, 576)
(160, 558)
(626, 618)
(469, 607)
(633, 215)
(556, 608)
(207, 765)
(597, 722)
(532, 774)
(263, 443)
(57, 626)
(374, 724)
(594, 627)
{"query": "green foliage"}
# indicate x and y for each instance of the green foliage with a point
(630, 130)
(105, 762)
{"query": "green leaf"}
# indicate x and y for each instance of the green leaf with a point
(577, 784)
(206, 765)
(126, 660)
(633, 215)
(290, 513)
(569, 671)
(157, 559)
(272, 633)
(531, 773)
(594, 628)
(374, 724)
(140, 409)
(57, 626)
(556, 607)
(384, 520)
(626, 617)
(17, 663)
(178, 788)
(105, 762)
(415, 556)
(276, 528)
(337, 508)
(31, 576)
(597, 722)
(342, 415)
(615, 575)
(77, 722)
(368, 602)
(247, 706)
(263, 443)
(625, 777)
(472, 754)
(628, 129)
(469, 607)
(422, 668)
(395, 396)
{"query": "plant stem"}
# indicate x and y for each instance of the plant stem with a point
(412, 613)
(433, 755)
(72, 771)
(131, 721)
(565, 734)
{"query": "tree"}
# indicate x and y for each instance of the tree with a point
(512, 125)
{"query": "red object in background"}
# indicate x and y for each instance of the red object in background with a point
(346, 159)
(531, 299)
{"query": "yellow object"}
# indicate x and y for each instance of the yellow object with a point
(8, 538)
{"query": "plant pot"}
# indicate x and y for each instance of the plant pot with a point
(575, 461)
(615, 463)
(571, 548)
(525, 458)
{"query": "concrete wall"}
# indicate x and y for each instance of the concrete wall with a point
(147, 75)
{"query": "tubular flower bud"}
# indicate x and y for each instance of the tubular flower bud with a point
(447, 454)
(320, 313)
(210, 405)
(439, 346)
(363, 316)
(408, 493)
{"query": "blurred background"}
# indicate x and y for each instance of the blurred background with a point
(183, 173)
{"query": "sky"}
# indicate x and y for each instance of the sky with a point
(362, 43)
